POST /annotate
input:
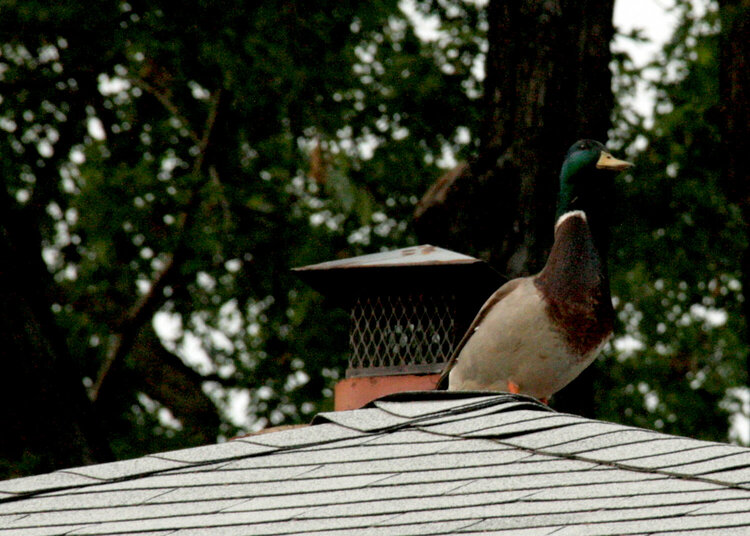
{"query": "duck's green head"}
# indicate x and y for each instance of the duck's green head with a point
(586, 178)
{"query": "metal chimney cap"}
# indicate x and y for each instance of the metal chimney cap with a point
(424, 255)
(412, 268)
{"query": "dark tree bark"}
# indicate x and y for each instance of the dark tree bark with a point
(46, 418)
(547, 84)
(734, 85)
(163, 376)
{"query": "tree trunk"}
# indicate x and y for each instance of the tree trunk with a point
(45, 416)
(734, 86)
(547, 84)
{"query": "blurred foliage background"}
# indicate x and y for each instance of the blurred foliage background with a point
(170, 163)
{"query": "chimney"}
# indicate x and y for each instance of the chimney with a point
(408, 309)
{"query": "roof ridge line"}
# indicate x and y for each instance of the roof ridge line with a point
(143, 474)
(670, 474)
(524, 402)
(530, 402)
(607, 463)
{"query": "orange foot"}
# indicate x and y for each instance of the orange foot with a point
(513, 388)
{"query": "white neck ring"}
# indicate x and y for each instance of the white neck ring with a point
(572, 214)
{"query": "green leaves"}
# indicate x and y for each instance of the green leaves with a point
(193, 155)
(676, 258)
(197, 154)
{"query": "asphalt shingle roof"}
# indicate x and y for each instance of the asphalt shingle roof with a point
(410, 464)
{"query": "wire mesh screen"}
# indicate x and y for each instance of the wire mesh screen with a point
(401, 334)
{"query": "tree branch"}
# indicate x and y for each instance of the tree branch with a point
(165, 101)
(144, 308)
(165, 377)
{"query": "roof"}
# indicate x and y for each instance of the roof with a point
(416, 463)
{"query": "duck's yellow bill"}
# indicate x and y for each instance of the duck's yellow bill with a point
(607, 161)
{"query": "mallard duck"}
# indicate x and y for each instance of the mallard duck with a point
(535, 334)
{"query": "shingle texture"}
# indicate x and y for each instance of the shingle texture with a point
(410, 464)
